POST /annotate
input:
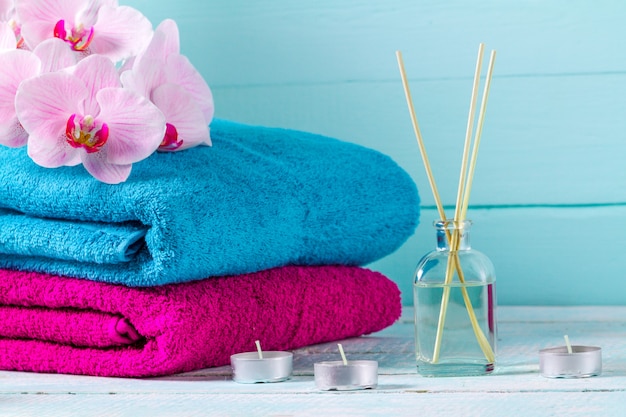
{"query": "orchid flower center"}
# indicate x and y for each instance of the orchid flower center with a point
(18, 33)
(170, 140)
(86, 133)
(78, 37)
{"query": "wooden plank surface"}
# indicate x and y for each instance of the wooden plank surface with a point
(542, 255)
(546, 140)
(550, 172)
(554, 129)
(247, 42)
(573, 403)
(516, 386)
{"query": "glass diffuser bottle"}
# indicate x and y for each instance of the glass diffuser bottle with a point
(455, 306)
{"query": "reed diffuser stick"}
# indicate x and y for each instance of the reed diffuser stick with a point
(456, 237)
(479, 131)
(478, 331)
(418, 136)
(482, 340)
(468, 134)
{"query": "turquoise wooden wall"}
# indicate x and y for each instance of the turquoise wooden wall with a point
(549, 195)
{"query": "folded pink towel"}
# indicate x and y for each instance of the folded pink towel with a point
(66, 325)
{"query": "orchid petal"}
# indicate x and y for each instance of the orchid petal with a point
(146, 75)
(45, 102)
(38, 17)
(172, 37)
(133, 83)
(52, 150)
(12, 134)
(153, 51)
(165, 41)
(182, 112)
(180, 71)
(97, 165)
(96, 72)
(55, 55)
(89, 15)
(121, 32)
(15, 66)
(7, 37)
(136, 126)
(6, 10)
(127, 64)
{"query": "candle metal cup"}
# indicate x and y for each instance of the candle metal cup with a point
(248, 368)
(356, 375)
(583, 362)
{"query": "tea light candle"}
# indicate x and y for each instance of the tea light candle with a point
(346, 375)
(570, 361)
(258, 367)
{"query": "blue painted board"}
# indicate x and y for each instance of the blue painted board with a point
(541, 144)
(542, 256)
(244, 42)
(550, 184)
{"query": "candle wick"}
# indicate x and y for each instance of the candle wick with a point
(568, 344)
(343, 354)
(258, 348)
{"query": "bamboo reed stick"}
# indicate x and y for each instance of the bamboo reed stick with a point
(479, 131)
(418, 136)
(486, 347)
(468, 134)
(482, 340)
(454, 242)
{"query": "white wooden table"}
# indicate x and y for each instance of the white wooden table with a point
(516, 388)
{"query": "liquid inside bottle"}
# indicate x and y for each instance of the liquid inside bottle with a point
(455, 307)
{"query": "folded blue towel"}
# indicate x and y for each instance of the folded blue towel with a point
(257, 199)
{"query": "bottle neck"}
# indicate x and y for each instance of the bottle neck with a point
(451, 233)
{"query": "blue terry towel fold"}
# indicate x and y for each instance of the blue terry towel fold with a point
(258, 198)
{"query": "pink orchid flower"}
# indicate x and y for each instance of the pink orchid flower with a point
(170, 81)
(18, 65)
(88, 26)
(82, 114)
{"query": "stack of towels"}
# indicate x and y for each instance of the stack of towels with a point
(262, 236)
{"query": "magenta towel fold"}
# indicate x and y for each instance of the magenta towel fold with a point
(67, 325)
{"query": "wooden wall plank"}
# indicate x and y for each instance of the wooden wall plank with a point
(550, 172)
(547, 140)
(244, 42)
(543, 256)
(555, 125)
